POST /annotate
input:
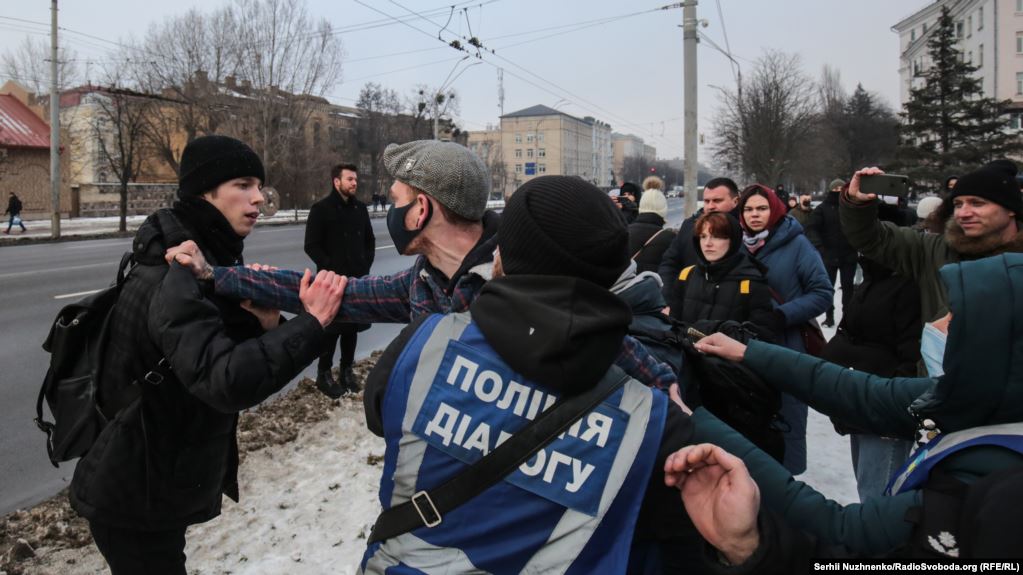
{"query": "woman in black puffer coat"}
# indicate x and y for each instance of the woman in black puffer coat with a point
(648, 238)
(726, 284)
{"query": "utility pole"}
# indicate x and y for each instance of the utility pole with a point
(54, 127)
(689, 41)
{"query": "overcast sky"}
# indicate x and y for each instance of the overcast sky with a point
(624, 67)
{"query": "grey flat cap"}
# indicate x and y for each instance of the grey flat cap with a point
(450, 172)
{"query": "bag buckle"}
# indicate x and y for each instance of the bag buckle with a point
(153, 377)
(424, 511)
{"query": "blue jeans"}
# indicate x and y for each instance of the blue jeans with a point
(875, 459)
(10, 222)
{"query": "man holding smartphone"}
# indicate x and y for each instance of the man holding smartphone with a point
(983, 217)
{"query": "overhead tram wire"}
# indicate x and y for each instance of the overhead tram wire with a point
(577, 98)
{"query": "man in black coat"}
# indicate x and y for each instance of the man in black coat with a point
(339, 238)
(719, 195)
(181, 363)
(14, 209)
(824, 230)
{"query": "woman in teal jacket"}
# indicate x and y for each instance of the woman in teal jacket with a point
(981, 394)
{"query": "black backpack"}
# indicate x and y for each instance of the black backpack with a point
(76, 345)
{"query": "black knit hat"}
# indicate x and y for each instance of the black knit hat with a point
(562, 225)
(210, 161)
(995, 181)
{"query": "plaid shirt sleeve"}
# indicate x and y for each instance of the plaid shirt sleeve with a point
(370, 299)
(635, 360)
(377, 299)
(276, 289)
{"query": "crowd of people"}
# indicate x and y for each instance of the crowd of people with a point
(573, 364)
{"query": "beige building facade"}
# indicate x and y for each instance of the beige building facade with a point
(541, 141)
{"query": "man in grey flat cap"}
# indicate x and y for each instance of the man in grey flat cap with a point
(439, 213)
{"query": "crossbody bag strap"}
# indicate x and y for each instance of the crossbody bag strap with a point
(640, 250)
(427, 508)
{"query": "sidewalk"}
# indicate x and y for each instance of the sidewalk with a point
(38, 230)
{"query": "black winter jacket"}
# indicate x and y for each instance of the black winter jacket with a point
(339, 236)
(824, 230)
(13, 206)
(880, 329)
(648, 256)
(732, 288)
(681, 254)
(167, 457)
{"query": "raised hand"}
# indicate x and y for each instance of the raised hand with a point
(722, 346)
(720, 497)
(321, 297)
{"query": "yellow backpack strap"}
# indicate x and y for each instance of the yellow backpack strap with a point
(744, 287)
(684, 275)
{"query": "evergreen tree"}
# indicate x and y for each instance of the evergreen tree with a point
(870, 131)
(949, 127)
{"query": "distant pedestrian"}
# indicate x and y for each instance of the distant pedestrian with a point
(648, 238)
(14, 209)
(783, 195)
(800, 209)
(824, 230)
(628, 201)
(339, 238)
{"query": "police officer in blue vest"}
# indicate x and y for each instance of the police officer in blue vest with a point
(451, 388)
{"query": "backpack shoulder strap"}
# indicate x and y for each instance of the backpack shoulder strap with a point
(684, 274)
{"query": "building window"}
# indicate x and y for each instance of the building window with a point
(1019, 42)
(969, 26)
(518, 153)
(980, 56)
(529, 152)
(539, 137)
(542, 168)
(529, 138)
(518, 138)
(980, 18)
(923, 29)
(518, 168)
(1016, 122)
(1019, 83)
(912, 32)
(959, 29)
(541, 153)
(1019, 5)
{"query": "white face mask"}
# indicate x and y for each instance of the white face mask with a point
(932, 349)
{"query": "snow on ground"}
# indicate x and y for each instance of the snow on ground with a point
(307, 505)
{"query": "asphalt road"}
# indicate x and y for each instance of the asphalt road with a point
(37, 280)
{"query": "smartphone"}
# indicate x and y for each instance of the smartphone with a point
(615, 193)
(891, 185)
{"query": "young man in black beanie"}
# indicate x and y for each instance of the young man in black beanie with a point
(181, 363)
(982, 213)
(452, 387)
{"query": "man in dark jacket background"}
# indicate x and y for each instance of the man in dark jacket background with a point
(824, 230)
(339, 238)
(719, 195)
(181, 363)
(14, 209)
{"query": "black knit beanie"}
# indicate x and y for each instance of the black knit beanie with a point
(210, 161)
(562, 225)
(995, 181)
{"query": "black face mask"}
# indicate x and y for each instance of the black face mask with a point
(396, 226)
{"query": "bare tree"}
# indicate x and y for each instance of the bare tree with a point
(29, 65)
(378, 127)
(291, 61)
(764, 124)
(118, 128)
(433, 112)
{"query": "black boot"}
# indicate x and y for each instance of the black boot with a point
(327, 386)
(347, 380)
(829, 321)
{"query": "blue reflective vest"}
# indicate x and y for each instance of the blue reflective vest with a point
(572, 508)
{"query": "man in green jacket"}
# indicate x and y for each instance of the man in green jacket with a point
(984, 214)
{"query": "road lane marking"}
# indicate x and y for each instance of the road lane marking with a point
(79, 294)
(56, 270)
